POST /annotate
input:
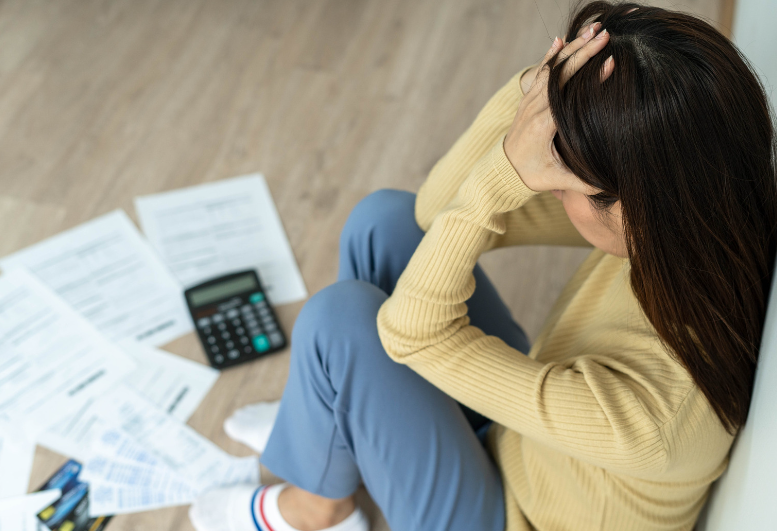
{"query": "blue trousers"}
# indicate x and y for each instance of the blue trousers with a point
(349, 414)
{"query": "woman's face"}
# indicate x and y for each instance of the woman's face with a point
(602, 229)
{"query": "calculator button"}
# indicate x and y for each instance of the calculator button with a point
(231, 314)
(233, 354)
(255, 332)
(261, 343)
(214, 348)
(248, 350)
(276, 339)
(246, 308)
(206, 330)
(240, 330)
(230, 344)
(205, 321)
(256, 298)
(211, 339)
(236, 322)
(226, 335)
(217, 317)
(222, 326)
(251, 322)
(219, 358)
(270, 327)
(244, 340)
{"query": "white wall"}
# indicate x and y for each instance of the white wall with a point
(746, 495)
(754, 33)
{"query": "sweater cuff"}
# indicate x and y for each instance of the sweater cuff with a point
(507, 174)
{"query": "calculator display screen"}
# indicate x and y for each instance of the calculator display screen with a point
(222, 290)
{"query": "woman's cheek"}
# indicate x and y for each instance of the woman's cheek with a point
(588, 223)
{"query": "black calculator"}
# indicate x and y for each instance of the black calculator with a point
(234, 320)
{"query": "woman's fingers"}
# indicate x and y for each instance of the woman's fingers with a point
(581, 50)
(557, 44)
(581, 40)
(541, 77)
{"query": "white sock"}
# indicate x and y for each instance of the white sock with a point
(246, 508)
(226, 509)
(252, 424)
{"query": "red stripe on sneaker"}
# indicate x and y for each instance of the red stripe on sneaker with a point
(261, 510)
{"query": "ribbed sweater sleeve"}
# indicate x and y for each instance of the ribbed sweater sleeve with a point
(586, 411)
(541, 221)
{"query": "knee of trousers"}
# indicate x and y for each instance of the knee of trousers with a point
(339, 320)
(389, 211)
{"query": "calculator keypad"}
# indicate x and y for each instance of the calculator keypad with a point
(241, 332)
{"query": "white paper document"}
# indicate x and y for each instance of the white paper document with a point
(72, 435)
(19, 513)
(16, 455)
(177, 446)
(216, 228)
(109, 274)
(136, 457)
(124, 477)
(52, 361)
(172, 383)
(144, 459)
(123, 486)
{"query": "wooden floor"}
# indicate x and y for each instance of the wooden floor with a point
(101, 101)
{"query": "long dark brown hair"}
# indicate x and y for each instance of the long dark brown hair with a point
(681, 133)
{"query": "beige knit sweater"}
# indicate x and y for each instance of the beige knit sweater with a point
(597, 427)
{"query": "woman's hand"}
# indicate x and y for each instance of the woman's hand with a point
(529, 142)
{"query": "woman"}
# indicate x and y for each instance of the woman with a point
(646, 137)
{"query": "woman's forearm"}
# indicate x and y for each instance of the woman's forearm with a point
(451, 170)
(428, 304)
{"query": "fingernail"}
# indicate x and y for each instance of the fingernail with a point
(609, 60)
(602, 34)
(555, 42)
(592, 29)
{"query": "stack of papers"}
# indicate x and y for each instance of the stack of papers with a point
(81, 315)
(106, 272)
(53, 360)
(143, 458)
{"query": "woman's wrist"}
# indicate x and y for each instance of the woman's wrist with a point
(494, 186)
